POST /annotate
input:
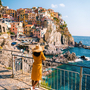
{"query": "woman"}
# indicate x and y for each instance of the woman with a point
(38, 56)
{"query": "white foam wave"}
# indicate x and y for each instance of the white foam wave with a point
(88, 58)
(77, 60)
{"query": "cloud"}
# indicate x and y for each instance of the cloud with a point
(2, 2)
(65, 16)
(62, 5)
(54, 5)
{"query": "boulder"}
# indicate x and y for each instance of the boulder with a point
(70, 57)
(83, 57)
(80, 43)
(73, 56)
(67, 54)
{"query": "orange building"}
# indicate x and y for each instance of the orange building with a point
(50, 10)
(55, 14)
(11, 12)
(16, 28)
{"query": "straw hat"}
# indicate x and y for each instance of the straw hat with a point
(37, 48)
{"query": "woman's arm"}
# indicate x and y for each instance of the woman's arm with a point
(42, 56)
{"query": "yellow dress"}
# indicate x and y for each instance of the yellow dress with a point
(37, 67)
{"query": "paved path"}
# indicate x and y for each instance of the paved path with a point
(22, 82)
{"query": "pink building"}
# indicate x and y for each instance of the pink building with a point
(16, 27)
(37, 33)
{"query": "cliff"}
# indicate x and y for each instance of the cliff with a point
(59, 34)
(53, 38)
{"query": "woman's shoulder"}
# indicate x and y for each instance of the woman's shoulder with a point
(41, 53)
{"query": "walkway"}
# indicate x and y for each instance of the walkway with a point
(22, 82)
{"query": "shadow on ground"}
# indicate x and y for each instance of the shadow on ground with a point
(5, 76)
(2, 71)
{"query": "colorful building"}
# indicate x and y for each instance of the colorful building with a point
(3, 27)
(50, 10)
(28, 29)
(28, 10)
(32, 16)
(17, 28)
(55, 14)
(1, 15)
(23, 17)
(7, 18)
(18, 14)
(3, 9)
(43, 31)
(37, 33)
(8, 25)
(11, 12)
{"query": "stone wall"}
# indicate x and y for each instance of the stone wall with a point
(6, 57)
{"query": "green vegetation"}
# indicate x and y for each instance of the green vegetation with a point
(0, 2)
(56, 19)
(8, 68)
(12, 33)
(45, 85)
(8, 32)
(0, 33)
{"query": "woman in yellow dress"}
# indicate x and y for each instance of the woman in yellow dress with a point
(38, 56)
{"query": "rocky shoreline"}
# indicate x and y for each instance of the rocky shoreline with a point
(49, 50)
(81, 45)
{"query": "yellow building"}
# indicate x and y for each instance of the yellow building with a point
(32, 16)
(28, 29)
(3, 9)
(1, 15)
(23, 17)
(11, 12)
(55, 14)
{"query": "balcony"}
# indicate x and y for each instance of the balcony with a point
(54, 78)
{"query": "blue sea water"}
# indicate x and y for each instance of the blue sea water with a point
(72, 81)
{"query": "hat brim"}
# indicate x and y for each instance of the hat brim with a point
(38, 50)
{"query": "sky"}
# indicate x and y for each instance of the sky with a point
(76, 13)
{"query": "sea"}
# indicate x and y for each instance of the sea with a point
(68, 80)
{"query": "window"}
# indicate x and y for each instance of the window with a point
(0, 26)
(3, 29)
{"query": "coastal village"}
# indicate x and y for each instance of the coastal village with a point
(23, 29)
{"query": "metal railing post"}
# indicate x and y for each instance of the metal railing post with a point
(22, 65)
(13, 66)
(81, 75)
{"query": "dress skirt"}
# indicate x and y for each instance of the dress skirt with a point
(36, 72)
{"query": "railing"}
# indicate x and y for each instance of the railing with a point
(54, 78)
